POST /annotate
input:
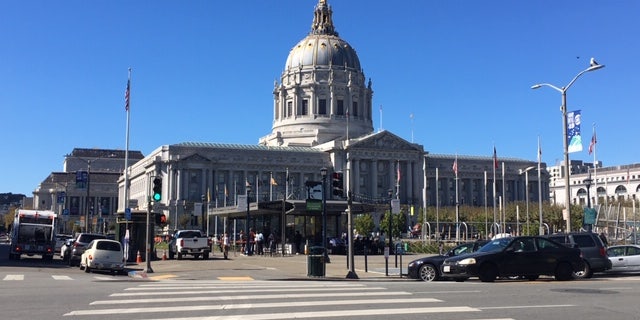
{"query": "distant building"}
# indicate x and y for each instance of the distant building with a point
(87, 186)
(608, 184)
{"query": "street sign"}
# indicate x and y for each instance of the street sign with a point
(314, 205)
(127, 214)
(133, 203)
(395, 206)
(65, 212)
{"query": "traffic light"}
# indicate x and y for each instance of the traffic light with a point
(157, 189)
(337, 184)
(161, 219)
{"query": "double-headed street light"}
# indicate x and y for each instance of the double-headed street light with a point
(563, 108)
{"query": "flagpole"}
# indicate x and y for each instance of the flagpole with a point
(271, 186)
(540, 230)
(127, 98)
(486, 209)
(437, 205)
(594, 141)
(455, 170)
(504, 202)
(495, 162)
(286, 186)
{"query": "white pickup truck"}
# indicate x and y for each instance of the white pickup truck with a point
(191, 242)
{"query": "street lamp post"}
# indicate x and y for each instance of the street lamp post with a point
(563, 108)
(246, 227)
(587, 183)
(323, 173)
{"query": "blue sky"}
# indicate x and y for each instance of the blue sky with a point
(203, 71)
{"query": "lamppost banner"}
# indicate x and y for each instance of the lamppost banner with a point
(574, 118)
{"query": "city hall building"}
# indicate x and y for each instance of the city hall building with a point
(322, 118)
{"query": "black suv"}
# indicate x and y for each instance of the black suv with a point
(594, 252)
(79, 244)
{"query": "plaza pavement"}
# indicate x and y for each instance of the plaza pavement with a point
(288, 267)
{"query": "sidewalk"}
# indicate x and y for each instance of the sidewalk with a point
(289, 267)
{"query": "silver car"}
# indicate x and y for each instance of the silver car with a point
(624, 258)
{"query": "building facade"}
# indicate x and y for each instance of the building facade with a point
(322, 118)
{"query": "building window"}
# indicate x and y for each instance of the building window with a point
(340, 108)
(322, 106)
(304, 108)
(289, 109)
(355, 109)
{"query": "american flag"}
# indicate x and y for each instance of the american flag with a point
(592, 145)
(455, 166)
(495, 158)
(126, 95)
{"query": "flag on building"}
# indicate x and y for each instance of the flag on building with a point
(592, 145)
(226, 192)
(126, 95)
(273, 182)
(398, 172)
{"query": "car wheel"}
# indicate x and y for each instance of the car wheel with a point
(564, 272)
(488, 273)
(428, 272)
(205, 256)
(179, 256)
(533, 278)
(585, 273)
(87, 269)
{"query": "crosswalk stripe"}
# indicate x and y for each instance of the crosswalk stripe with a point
(221, 286)
(291, 289)
(12, 277)
(327, 314)
(288, 304)
(56, 277)
(250, 297)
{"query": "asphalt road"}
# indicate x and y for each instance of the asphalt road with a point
(278, 288)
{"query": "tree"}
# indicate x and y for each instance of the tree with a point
(363, 223)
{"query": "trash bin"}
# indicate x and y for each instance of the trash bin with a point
(315, 262)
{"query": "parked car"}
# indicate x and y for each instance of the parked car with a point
(594, 251)
(516, 257)
(103, 254)
(428, 268)
(60, 241)
(80, 242)
(336, 245)
(65, 250)
(624, 258)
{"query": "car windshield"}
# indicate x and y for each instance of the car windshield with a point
(495, 245)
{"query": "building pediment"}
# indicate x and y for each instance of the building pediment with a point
(196, 158)
(385, 140)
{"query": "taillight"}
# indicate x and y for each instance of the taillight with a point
(90, 257)
(603, 252)
(182, 242)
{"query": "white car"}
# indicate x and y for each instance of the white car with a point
(103, 254)
(624, 258)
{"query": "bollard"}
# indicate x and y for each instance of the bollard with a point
(164, 255)
(138, 258)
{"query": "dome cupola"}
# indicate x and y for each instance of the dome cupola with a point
(322, 95)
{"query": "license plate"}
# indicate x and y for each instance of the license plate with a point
(446, 269)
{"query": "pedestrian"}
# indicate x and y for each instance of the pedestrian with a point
(243, 242)
(272, 243)
(298, 242)
(251, 241)
(441, 248)
(225, 245)
(260, 243)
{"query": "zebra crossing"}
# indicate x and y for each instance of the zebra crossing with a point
(21, 277)
(262, 300)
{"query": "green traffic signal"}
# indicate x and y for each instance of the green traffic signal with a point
(157, 189)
